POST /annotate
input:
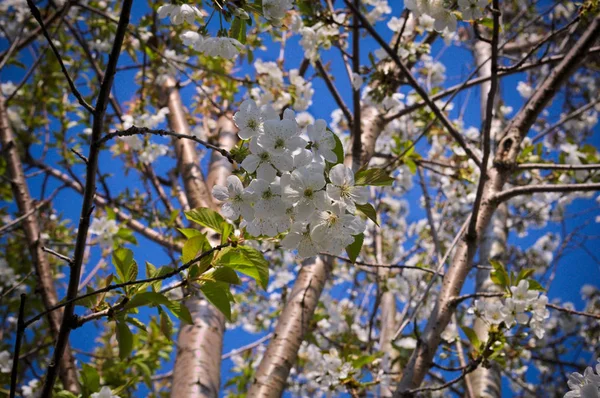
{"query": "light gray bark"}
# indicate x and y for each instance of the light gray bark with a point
(197, 369)
(505, 158)
(43, 270)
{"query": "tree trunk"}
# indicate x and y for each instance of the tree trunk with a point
(43, 270)
(197, 370)
(506, 155)
(486, 382)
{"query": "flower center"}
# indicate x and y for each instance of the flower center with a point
(308, 193)
(264, 156)
(252, 124)
(267, 194)
(345, 191)
(279, 143)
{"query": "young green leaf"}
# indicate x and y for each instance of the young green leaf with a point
(125, 340)
(369, 211)
(193, 246)
(377, 177)
(125, 264)
(472, 336)
(90, 378)
(246, 260)
(222, 274)
(207, 218)
(353, 249)
(217, 293)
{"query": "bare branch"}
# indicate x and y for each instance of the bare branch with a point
(19, 337)
(38, 17)
(531, 189)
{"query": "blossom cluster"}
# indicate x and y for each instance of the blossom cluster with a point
(293, 189)
(586, 385)
(443, 16)
(220, 46)
(148, 151)
(514, 309)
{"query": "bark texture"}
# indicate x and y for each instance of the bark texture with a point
(197, 370)
(486, 382)
(292, 325)
(505, 157)
(43, 270)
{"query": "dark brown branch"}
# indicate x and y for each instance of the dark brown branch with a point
(133, 130)
(88, 197)
(76, 93)
(573, 312)
(14, 373)
(356, 125)
(334, 92)
(415, 84)
(553, 166)
(531, 189)
(487, 127)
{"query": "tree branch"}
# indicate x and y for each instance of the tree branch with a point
(531, 189)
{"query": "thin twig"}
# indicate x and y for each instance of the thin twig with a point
(133, 130)
(531, 189)
(20, 332)
(76, 93)
(58, 255)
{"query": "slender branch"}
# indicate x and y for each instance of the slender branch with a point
(247, 346)
(468, 369)
(531, 189)
(88, 196)
(356, 125)
(415, 84)
(573, 312)
(20, 332)
(68, 259)
(565, 119)
(35, 208)
(133, 130)
(390, 266)
(489, 115)
(334, 92)
(553, 166)
(125, 284)
(38, 17)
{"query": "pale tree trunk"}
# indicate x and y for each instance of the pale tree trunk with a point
(387, 306)
(486, 382)
(43, 270)
(292, 325)
(505, 157)
(197, 370)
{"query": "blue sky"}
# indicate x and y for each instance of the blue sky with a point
(576, 269)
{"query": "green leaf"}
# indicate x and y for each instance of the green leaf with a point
(166, 325)
(472, 336)
(180, 311)
(238, 30)
(339, 148)
(190, 232)
(364, 360)
(535, 285)
(227, 230)
(127, 235)
(353, 250)
(125, 340)
(412, 166)
(136, 322)
(369, 211)
(125, 264)
(222, 274)
(193, 246)
(146, 298)
(207, 218)
(246, 260)
(90, 378)
(217, 293)
(377, 177)
(524, 274)
(499, 275)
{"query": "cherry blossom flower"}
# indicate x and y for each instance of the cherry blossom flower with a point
(178, 14)
(235, 198)
(250, 119)
(343, 190)
(322, 142)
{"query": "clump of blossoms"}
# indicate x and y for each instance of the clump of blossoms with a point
(586, 385)
(296, 187)
(524, 305)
